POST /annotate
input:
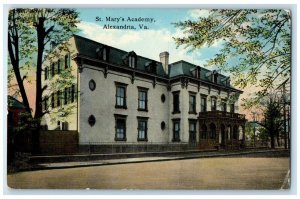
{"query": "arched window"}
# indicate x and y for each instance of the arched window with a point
(212, 131)
(162, 125)
(203, 132)
(163, 98)
(132, 59)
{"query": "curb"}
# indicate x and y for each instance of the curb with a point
(153, 160)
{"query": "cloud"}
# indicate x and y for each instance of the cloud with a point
(196, 13)
(147, 43)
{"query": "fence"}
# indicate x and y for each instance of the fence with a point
(58, 142)
(107, 148)
(257, 144)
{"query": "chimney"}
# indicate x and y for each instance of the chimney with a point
(164, 59)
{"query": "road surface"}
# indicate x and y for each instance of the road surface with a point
(204, 173)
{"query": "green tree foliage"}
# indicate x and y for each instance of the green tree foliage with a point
(30, 33)
(256, 45)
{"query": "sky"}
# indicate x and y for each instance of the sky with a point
(148, 43)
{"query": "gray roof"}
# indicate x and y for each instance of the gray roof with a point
(186, 68)
(88, 48)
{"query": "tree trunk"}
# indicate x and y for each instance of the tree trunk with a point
(38, 100)
(272, 141)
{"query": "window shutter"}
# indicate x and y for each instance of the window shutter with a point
(61, 64)
(75, 92)
(66, 96)
(70, 94)
(69, 60)
(55, 100)
(58, 66)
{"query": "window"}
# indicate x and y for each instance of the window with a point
(65, 126)
(176, 102)
(92, 120)
(162, 125)
(192, 130)
(92, 85)
(231, 108)
(45, 103)
(212, 134)
(224, 106)
(203, 132)
(142, 129)
(46, 73)
(142, 99)
(163, 98)
(58, 66)
(58, 98)
(120, 126)
(192, 103)
(121, 95)
(176, 130)
(52, 100)
(203, 103)
(67, 61)
(213, 103)
(52, 70)
(131, 61)
(196, 72)
(104, 54)
(66, 96)
(73, 93)
(215, 78)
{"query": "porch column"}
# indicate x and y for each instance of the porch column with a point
(243, 139)
(218, 137)
(231, 135)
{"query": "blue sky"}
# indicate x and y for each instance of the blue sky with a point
(147, 43)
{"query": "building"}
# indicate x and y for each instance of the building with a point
(124, 99)
(15, 109)
(16, 126)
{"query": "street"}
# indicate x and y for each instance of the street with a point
(203, 173)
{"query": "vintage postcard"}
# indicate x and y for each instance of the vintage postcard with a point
(149, 98)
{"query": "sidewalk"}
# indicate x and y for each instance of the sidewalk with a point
(165, 157)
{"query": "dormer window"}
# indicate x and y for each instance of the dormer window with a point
(196, 72)
(226, 81)
(102, 53)
(214, 77)
(131, 61)
(151, 67)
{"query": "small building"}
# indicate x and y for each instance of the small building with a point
(15, 109)
(121, 99)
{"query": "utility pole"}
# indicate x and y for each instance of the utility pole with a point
(254, 140)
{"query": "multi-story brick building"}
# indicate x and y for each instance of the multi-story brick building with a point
(121, 98)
